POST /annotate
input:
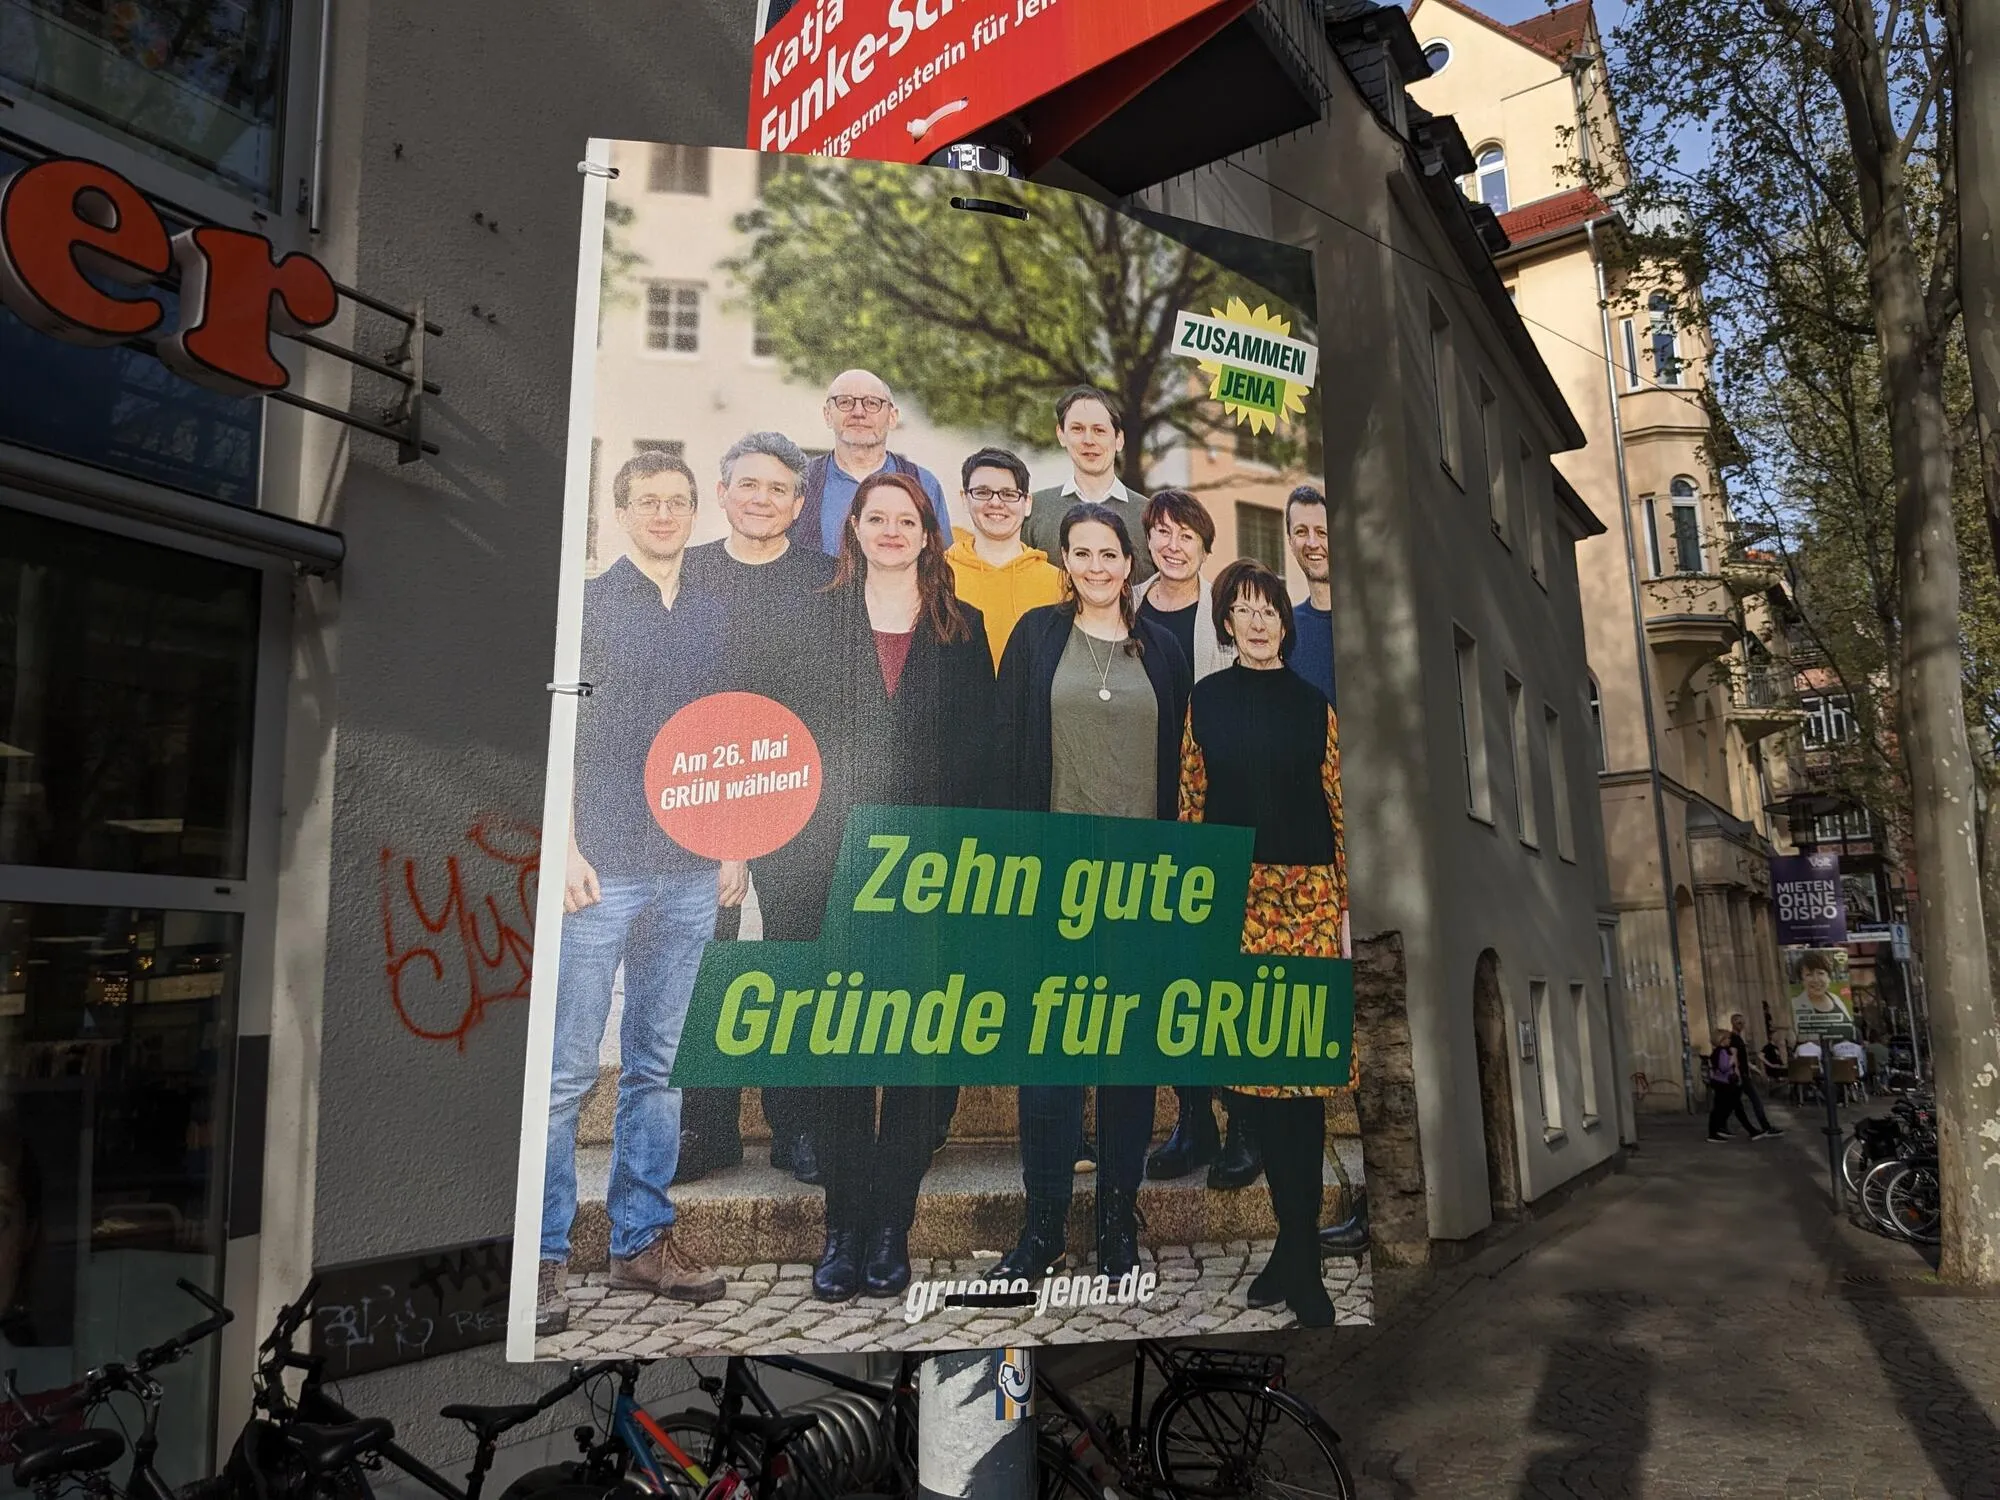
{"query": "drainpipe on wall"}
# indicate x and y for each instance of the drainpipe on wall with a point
(1645, 675)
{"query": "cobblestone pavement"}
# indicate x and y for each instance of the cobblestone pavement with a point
(770, 1309)
(1700, 1325)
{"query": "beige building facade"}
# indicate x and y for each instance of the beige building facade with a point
(1715, 751)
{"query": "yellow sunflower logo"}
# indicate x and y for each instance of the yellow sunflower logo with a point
(1291, 397)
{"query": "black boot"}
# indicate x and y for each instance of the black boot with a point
(1350, 1235)
(838, 1275)
(1242, 1161)
(1117, 1231)
(802, 1159)
(888, 1268)
(1195, 1142)
(1043, 1246)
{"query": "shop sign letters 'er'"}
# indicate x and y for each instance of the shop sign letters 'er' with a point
(65, 221)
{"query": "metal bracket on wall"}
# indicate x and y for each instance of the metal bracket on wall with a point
(402, 421)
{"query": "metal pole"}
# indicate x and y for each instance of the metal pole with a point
(1645, 677)
(975, 1407)
(975, 1425)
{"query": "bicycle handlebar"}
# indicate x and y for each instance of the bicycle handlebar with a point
(166, 1353)
(290, 1318)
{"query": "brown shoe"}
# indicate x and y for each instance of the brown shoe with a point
(551, 1297)
(665, 1272)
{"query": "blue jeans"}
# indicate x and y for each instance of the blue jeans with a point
(656, 925)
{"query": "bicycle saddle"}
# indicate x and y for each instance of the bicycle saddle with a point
(488, 1422)
(330, 1447)
(774, 1432)
(50, 1455)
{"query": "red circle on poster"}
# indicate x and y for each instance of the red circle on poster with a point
(733, 776)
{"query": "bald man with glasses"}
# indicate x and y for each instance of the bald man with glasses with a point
(860, 411)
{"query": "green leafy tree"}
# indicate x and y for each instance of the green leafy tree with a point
(1801, 159)
(979, 319)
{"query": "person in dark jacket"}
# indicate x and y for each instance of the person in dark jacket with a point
(1263, 753)
(1087, 688)
(902, 711)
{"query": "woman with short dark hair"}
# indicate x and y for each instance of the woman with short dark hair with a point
(1262, 751)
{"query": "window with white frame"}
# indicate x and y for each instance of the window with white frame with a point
(1687, 526)
(1559, 783)
(1829, 719)
(1586, 1049)
(678, 169)
(1628, 335)
(673, 317)
(1666, 339)
(1438, 55)
(1490, 178)
(1649, 513)
(1534, 492)
(1495, 450)
(1546, 1072)
(1594, 700)
(1524, 766)
(1471, 726)
(1444, 388)
(1848, 826)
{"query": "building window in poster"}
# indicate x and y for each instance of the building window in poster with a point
(951, 947)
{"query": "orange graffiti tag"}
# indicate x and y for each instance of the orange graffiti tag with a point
(489, 939)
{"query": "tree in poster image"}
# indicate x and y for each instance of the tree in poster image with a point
(978, 319)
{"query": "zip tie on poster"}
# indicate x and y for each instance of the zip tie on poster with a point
(596, 169)
(573, 689)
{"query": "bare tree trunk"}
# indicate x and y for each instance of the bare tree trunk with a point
(1977, 97)
(1929, 701)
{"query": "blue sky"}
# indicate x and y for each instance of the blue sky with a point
(1609, 12)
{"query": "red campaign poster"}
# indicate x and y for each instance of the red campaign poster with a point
(895, 80)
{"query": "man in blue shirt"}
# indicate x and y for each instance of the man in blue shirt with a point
(632, 896)
(860, 412)
(1305, 533)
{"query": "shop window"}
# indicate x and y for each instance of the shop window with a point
(195, 83)
(126, 682)
(1260, 533)
(117, 1035)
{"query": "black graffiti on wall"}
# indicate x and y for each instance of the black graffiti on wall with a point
(372, 1314)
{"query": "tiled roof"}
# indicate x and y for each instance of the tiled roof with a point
(1558, 33)
(1554, 35)
(1551, 215)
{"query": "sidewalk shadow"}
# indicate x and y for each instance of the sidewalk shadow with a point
(1595, 1396)
(1959, 1438)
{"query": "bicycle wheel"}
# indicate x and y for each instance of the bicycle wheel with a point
(694, 1433)
(1854, 1164)
(1875, 1194)
(1912, 1201)
(1060, 1477)
(1222, 1440)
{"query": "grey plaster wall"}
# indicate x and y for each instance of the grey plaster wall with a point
(455, 133)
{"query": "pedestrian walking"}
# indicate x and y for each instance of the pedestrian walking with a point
(1725, 1091)
(1746, 1076)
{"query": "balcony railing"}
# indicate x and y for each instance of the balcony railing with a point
(1766, 687)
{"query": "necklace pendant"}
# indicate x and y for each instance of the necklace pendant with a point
(1104, 693)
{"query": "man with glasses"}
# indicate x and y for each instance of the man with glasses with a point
(993, 569)
(1091, 430)
(860, 412)
(631, 895)
(764, 582)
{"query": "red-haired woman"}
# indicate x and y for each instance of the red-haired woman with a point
(1263, 752)
(904, 708)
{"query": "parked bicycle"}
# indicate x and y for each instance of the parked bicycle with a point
(1891, 1167)
(1221, 1426)
(54, 1454)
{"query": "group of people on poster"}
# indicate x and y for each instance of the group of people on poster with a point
(1071, 654)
